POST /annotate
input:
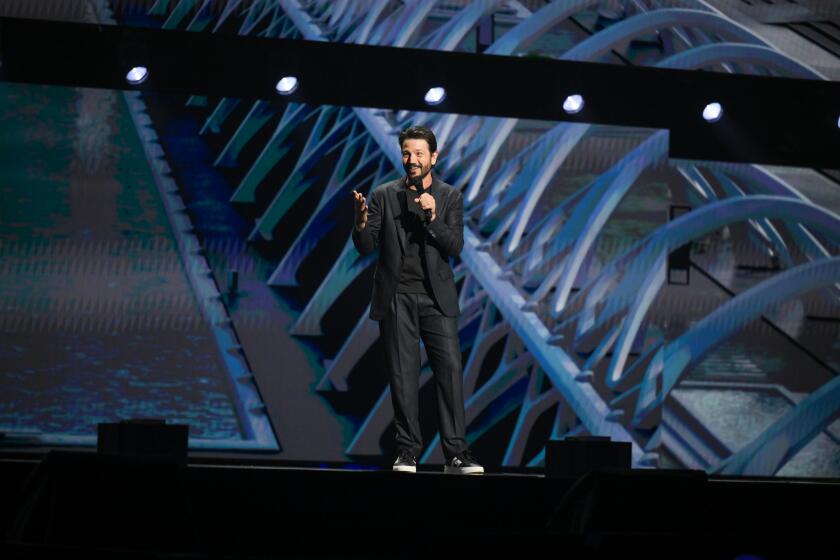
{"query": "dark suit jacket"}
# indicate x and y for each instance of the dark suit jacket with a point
(384, 230)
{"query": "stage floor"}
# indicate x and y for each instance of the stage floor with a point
(258, 509)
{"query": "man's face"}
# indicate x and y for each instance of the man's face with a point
(416, 157)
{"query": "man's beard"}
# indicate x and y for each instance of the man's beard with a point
(416, 179)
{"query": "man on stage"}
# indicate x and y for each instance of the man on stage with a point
(417, 223)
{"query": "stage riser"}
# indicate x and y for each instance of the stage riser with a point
(97, 502)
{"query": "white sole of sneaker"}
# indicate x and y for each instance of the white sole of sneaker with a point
(405, 469)
(465, 470)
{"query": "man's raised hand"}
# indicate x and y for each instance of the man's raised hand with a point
(361, 209)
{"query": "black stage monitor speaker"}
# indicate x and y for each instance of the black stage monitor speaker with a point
(575, 456)
(147, 438)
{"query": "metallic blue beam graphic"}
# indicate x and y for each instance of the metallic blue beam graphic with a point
(532, 28)
(577, 210)
(258, 116)
(637, 261)
(274, 150)
(757, 178)
(230, 7)
(450, 35)
(765, 227)
(325, 136)
(789, 434)
(655, 20)
(719, 53)
(181, 10)
(362, 337)
(346, 269)
(676, 357)
(319, 223)
(219, 115)
(560, 368)
(408, 25)
(651, 151)
(364, 29)
(766, 454)
(203, 17)
(645, 295)
(588, 50)
(487, 336)
(533, 406)
(562, 141)
(340, 276)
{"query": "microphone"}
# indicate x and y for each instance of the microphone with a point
(418, 184)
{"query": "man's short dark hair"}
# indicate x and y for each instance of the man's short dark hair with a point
(420, 133)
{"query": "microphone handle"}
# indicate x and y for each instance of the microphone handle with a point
(427, 212)
(418, 183)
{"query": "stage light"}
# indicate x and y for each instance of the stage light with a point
(838, 122)
(435, 96)
(573, 104)
(713, 112)
(287, 85)
(137, 75)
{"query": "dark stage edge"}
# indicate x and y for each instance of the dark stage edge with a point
(72, 503)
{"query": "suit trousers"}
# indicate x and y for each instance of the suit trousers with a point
(411, 318)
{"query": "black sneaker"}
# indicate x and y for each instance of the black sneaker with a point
(463, 463)
(406, 462)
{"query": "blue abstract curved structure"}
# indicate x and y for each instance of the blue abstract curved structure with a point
(571, 317)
